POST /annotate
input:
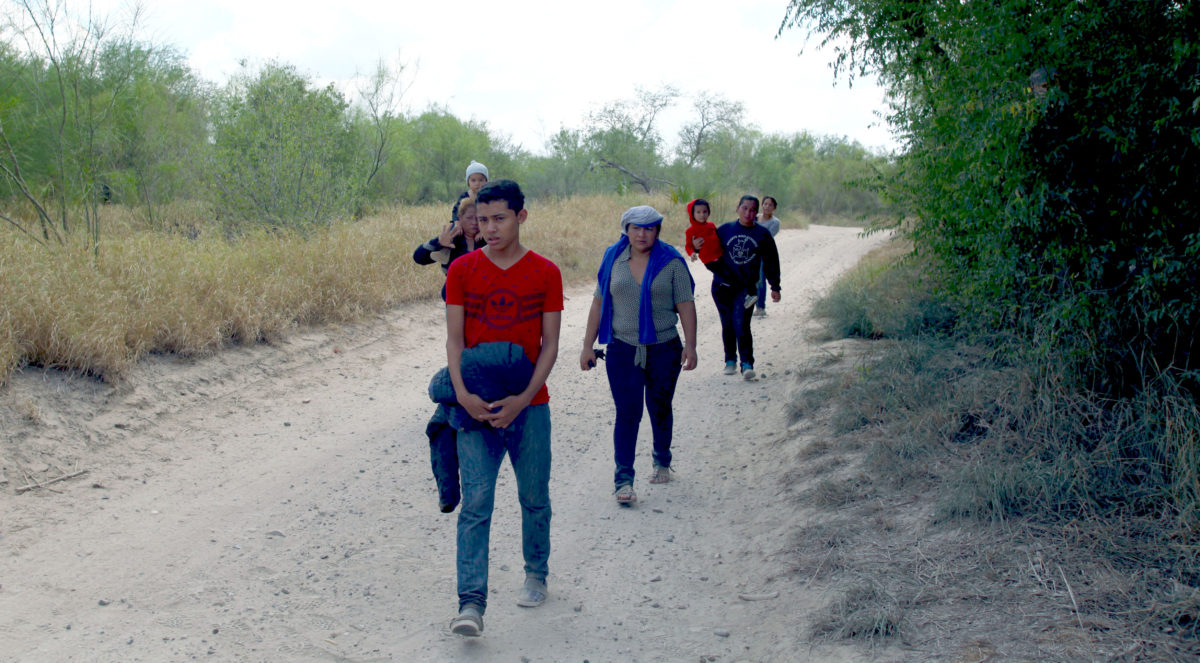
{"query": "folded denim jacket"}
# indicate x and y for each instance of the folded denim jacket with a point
(491, 371)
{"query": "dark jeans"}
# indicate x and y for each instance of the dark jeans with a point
(443, 456)
(630, 385)
(762, 288)
(727, 274)
(735, 324)
(527, 443)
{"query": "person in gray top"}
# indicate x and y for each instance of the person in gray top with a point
(643, 289)
(768, 220)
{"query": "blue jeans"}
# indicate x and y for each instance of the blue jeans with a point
(527, 442)
(735, 324)
(631, 384)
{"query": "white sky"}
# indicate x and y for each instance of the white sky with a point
(529, 67)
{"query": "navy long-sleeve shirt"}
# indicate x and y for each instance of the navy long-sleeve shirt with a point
(748, 249)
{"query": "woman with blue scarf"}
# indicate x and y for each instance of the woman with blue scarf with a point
(643, 288)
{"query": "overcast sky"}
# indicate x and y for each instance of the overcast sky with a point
(530, 67)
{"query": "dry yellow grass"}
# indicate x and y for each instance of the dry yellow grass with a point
(177, 286)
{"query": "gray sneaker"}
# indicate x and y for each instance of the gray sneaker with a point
(532, 594)
(469, 621)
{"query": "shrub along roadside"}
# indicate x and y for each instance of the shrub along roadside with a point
(999, 436)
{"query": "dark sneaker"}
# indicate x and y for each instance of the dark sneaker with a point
(469, 621)
(532, 594)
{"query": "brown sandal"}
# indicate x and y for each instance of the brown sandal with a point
(661, 475)
(625, 495)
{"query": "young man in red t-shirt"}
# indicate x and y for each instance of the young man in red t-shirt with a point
(502, 292)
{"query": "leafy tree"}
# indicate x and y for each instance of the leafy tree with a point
(713, 112)
(285, 154)
(160, 133)
(56, 128)
(729, 164)
(777, 158)
(624, 138)
(566, 171)
(441, 146)
(381, 94)
(1052, 151)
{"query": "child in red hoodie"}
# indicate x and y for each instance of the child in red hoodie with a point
(710, 251)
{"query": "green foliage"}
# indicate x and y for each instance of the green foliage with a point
(57, 134)
(1066, 210)
(567, 170)
(103, 117)
(284, 154)
(442, 145)
(160, 134)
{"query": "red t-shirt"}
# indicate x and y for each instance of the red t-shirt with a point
(505, 305)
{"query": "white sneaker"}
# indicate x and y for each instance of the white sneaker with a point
(748, 372)
(730, 368)
(760, 312)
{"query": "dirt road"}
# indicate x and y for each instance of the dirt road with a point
(275, 503)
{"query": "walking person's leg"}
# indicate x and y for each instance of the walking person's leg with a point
(761, 304)
(745, 342)
(627, 383)
(725, 299)
(479, 456)
(663, 365)
(529, 453)
(443, 455)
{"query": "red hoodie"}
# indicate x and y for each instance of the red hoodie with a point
(706, 231)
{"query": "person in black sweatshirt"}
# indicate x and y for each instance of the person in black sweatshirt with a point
(457, 239)
(748, 247)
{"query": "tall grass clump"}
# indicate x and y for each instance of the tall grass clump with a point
(851, 307)
(11, 354)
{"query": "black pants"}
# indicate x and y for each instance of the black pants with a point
(735, 323)
(443, 456)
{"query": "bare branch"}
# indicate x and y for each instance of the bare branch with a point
(643, 181)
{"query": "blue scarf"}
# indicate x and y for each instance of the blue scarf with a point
(661, 255)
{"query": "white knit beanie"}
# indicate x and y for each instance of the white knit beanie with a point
(477, 167)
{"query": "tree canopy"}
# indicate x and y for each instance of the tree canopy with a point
(91, 116)
(1050, 164)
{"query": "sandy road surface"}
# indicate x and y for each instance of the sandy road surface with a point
(276, 504)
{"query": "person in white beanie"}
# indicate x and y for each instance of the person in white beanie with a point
(477, 176)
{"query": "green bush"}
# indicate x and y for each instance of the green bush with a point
(284, 155)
